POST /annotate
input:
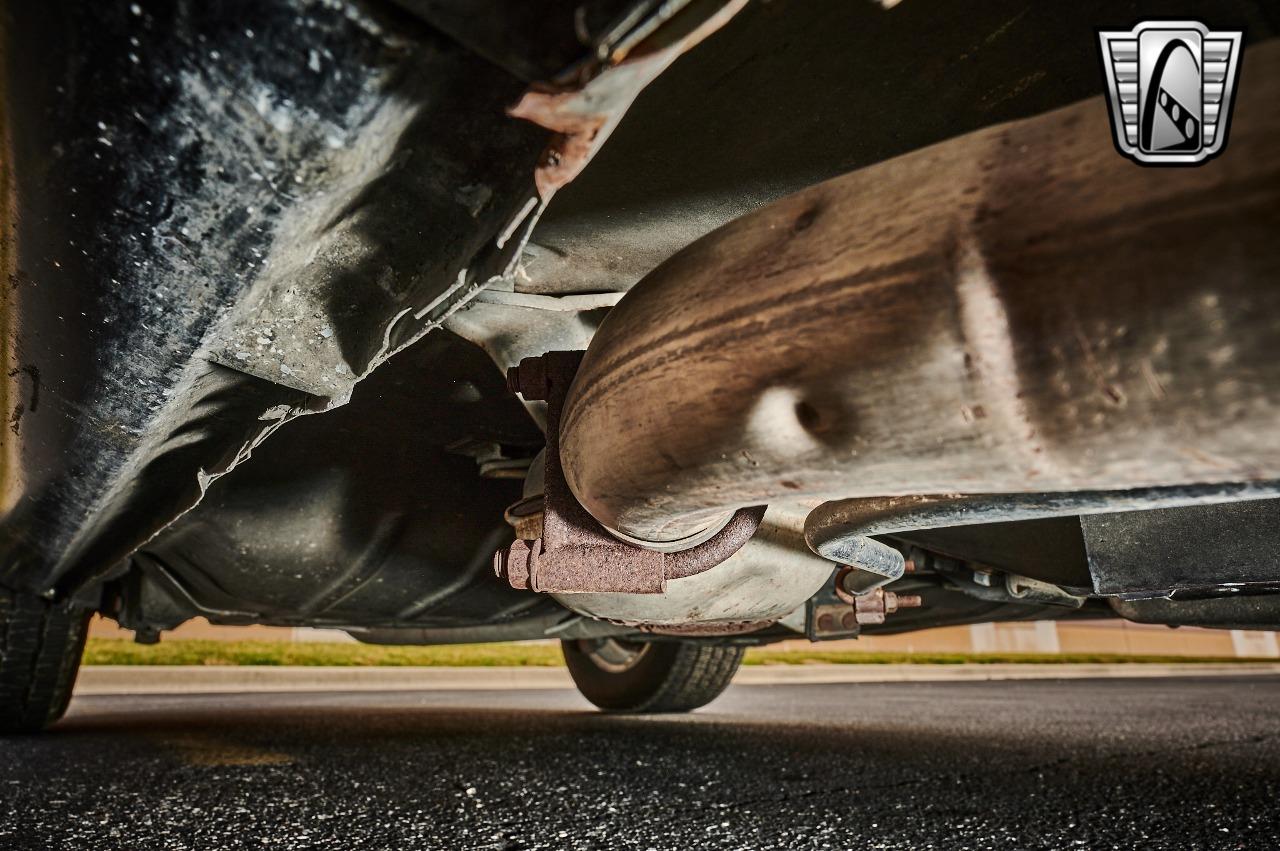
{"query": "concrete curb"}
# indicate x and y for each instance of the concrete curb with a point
(193, 679)
(144, 679)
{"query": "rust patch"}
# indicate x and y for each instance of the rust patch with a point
(708, 628)
(574, 139)
(574, 553)
(583, 111)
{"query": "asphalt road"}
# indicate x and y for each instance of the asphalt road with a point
(1175, 763)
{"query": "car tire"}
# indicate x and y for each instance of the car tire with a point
(661, 676)
(40, 648)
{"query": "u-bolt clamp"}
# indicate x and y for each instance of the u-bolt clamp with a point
(575, 554)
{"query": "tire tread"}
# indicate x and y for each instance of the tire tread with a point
(667, 677)
(40, 648)
(701, 672)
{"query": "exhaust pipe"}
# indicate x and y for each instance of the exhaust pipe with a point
(1020, 310)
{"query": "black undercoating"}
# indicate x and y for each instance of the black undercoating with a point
(228, 212)
(363, 515)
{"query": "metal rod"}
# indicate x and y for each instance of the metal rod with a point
(1020, 310)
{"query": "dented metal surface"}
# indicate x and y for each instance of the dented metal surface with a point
(1009, 301)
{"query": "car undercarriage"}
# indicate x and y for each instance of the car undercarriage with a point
(660, 328)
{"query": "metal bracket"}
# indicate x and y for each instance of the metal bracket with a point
(841, 531)
(575, 554)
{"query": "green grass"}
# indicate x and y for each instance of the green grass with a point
(119, 651)
(122, 651)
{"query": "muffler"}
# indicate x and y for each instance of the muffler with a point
(1017, 311)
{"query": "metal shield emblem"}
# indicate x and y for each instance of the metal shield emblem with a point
(1169, 85)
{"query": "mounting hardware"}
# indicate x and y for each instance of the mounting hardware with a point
(575, 554)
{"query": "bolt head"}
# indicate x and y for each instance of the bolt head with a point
(529, 379)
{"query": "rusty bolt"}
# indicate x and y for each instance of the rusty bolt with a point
(874, 606)
(849, 620)
(529, 379)
(826, 622)
(514, 564)
(893, 602)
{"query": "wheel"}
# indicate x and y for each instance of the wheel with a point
(40, 648)
(637, 676)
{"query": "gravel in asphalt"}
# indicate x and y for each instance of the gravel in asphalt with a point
(1166, 763)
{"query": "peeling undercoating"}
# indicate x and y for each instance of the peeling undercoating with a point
(290, 330)
(145, 214)
(253, 144)
(291, 340)
(342, 285)
(249, 225)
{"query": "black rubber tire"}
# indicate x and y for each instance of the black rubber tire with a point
(669, 676)
(40, 649)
